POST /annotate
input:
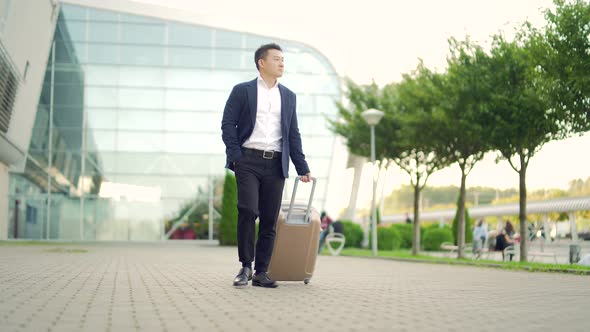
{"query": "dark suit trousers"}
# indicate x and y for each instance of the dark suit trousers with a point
(260, 190)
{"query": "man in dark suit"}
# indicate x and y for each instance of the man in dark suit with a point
(260, 132)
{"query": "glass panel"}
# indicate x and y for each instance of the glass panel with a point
(161, 163)
(187, 57)
(103, 140)
(102, 15)
(64, 53)
(253, 42)
(66, 76)
(320, 166)
(31, 214)
(68, 95)
(171, 187)
(76, 30)
(103, 32)
(229, 59)
(305, 104)
(195, 100)
(188, 78)
(130, 18)
(138, 120)
(103, 53)
(69, 225)
(101, 118)
(100, 221)
(67, 139)
(189, 35)
(136, 141)
(228, 39)
(226, 80)
(193, 121)
(73, 12)
(317, 146)
(67, 117)
(143, 33)
(141, 98)
(101, 97)
(142, 55)
(193, 143)
(326, 105)
(102, 75)
(329, 84)
(141, 77)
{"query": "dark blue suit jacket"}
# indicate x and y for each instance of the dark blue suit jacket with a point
(239, 117)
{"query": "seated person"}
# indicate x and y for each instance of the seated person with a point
(326, 221)
(505, 239)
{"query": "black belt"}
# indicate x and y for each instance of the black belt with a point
(262, 154)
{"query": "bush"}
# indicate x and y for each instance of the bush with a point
(228, 226)
(388, 238)
(434, 237)
(353, 233)
(406, 232)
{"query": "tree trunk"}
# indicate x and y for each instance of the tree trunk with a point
(461, 226)
(416, 242)
(522, 213)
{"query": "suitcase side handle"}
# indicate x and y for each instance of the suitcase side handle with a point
(308, 212)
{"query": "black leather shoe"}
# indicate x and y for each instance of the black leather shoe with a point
(262, 279)
(243, 277)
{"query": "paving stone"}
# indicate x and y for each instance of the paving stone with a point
(187, 287)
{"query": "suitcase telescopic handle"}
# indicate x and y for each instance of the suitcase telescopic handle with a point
(308, 212)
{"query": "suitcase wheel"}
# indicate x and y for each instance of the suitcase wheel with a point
(306, 281)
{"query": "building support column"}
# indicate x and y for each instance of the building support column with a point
(3, 202)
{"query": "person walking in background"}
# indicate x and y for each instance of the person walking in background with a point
(480, 235)
(261, 133)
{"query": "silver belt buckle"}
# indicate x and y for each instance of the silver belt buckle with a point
(268, 156)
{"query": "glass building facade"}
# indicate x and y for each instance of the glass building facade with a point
(128, 123)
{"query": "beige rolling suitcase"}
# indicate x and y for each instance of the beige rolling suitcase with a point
(296, 242)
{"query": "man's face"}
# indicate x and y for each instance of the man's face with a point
(273, 64)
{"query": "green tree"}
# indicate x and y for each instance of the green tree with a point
(416, 98)
(354, 129)
(228, 227)
(458, 135)
(518, 115)
(563, 55)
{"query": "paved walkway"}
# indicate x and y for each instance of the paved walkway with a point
(184, 287)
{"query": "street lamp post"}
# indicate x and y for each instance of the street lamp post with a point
(373, 116)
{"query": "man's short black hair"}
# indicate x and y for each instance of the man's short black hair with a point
(262, 51)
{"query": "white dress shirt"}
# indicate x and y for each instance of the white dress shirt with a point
(267, 133)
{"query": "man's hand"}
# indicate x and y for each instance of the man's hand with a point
(305, 178)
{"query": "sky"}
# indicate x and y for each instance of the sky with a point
(382, 39)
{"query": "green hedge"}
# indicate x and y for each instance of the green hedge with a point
(434, 237)
(406, 232)
(388, 238)
(353, 233)
(228, 226)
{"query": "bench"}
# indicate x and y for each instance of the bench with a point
(533, 254)
(337, 238)
(451, 248)
(515, 250)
